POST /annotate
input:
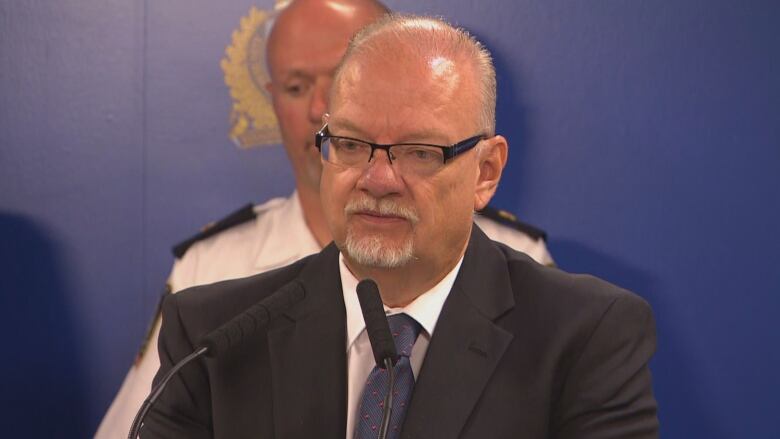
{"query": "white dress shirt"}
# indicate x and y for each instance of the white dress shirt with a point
(425, 309)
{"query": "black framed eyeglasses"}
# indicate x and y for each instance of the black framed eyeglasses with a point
(417, 158)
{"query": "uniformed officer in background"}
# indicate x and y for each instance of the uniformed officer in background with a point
(304, 47)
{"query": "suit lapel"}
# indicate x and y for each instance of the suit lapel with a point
(466, 345)
(307, 355)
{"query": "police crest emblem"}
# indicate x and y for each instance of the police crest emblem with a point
(252, 120)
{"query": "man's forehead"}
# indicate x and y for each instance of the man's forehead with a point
(306, 60)
(321, 24)
(307, 52)
(403, 106)
(430, 80)
(387, 111)
(309, 41)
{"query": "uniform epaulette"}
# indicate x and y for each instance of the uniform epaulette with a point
(509, 219)
(240, 216)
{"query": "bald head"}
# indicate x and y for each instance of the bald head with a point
(308, 26)
(455, 62)
(306, 43)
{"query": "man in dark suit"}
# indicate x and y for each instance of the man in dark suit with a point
(492, 344)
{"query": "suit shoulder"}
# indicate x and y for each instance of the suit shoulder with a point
(565, 294)
(203, 308)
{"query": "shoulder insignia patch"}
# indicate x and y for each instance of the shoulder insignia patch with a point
(240, 216)
(509, 219)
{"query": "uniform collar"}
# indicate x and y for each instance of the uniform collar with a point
(283, 235)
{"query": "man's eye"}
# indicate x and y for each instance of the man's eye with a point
(423, 154)
(297, 89)
(348, 145)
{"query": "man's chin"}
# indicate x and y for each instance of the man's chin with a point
(377, 252)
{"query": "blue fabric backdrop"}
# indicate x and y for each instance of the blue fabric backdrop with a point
(644, 136)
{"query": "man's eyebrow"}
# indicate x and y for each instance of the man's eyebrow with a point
(295, 74)
(423, 136)
(346, 125)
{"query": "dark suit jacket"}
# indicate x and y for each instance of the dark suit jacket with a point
(520, 351)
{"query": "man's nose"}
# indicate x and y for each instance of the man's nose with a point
(380, 178)
(318, 104)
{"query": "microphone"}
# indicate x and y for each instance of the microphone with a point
(244, 325)
(381, 340)
(226, 337)
(378, 329)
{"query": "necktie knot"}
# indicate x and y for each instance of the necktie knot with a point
(405, 330)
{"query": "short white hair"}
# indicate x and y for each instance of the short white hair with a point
(432, 36)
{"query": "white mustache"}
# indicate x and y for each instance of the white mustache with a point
(384, 207)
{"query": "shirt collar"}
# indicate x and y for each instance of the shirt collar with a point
(425, 308)
(284, 235)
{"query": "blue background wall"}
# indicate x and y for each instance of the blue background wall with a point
(644, 136)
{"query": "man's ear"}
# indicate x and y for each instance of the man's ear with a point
(492, 159)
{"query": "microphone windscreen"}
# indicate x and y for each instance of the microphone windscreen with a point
(253, 319)
(377, 327)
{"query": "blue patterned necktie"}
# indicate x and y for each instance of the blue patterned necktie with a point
(405, 331)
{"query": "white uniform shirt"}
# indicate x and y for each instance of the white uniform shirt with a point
(536, 249)
(277, 237)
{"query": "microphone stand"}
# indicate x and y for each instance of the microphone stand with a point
(157, 390)
(387, 404)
